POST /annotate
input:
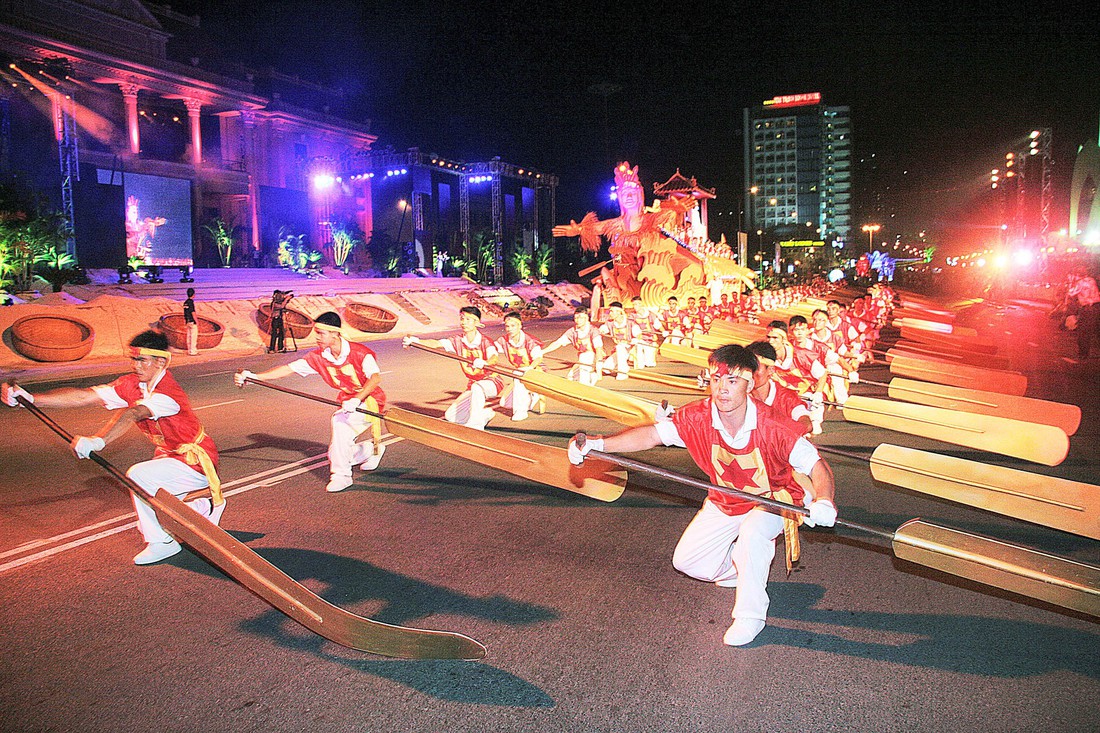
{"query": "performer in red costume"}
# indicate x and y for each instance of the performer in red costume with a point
(521, 353)
(352, 369)
(731, 541)
(784, 402)
(185, 459)
(649, 327)
(622, 335)
(586, 339)
(481, 385)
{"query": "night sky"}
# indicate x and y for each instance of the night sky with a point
(938, 94)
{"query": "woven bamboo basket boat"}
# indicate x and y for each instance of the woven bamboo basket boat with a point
(296, 323)
(175, 328)
(369, 318)
(52, 338)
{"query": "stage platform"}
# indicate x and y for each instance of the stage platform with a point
(233, 297)
(226, 283)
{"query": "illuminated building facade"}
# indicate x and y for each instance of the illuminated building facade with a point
(99, 98)
(798, 168)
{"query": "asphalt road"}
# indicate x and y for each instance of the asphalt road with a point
(588, 626)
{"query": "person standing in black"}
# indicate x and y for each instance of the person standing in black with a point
(191, 323)
(278, 331)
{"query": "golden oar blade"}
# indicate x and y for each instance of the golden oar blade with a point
(685, 354)
(935, 327)
(543, 464)
(667, 379)
(916, 350)
(1062, 416)
(621, 408)
(960, 375)
(752, 332)
(973, 344)
(712, 340)
(1036, 443)
(1070, 506)
(1018, 569)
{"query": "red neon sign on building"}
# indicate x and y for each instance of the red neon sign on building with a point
(793, 100)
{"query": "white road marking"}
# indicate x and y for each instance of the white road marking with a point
(217, 404)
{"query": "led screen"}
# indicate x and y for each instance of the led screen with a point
(158, 219)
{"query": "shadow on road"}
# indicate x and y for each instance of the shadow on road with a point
(403, 601)
(934, 641)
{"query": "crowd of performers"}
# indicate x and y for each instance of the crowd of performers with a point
(749, 434)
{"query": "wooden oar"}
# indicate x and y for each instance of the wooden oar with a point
(999, 564)
(692, 385)
(1045, 500)
(720, 328)
(935, 327)
(1032, 442)
(621, 408)
(961, 375)
(540, 463)
(911, 350)
(240, 562)
(685, 354)
(712, 341)
(1028, 409)
(973, 344)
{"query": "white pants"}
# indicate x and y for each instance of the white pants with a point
(192, 338)
(717, 547)
(619, 361)
(343, 451)
(645, 355)
(518, 399)
(839, 383)
(584, 370)
(175, 477)
(469, 408)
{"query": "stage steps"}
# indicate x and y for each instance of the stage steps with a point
(408, 306)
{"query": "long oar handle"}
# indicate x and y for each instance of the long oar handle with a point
(464, 360)
(630, 463)
(54, 426)
(846, 454)
(308, 396)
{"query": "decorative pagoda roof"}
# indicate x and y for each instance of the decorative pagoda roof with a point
(679, 186)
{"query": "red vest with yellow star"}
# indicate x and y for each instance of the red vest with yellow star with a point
(348, 377)
(762, 467)
(168, 434)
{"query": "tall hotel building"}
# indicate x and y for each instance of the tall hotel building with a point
(798, 171)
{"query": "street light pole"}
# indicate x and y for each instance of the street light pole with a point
(871, 229)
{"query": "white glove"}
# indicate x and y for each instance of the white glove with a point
(240, 377)
(8, 393)
(817, 399)
(409, 340)
(822, 512)
(664, 411)
(83, 445)
(577, 454)
(351, 405)
(853, 377)
(478, 363)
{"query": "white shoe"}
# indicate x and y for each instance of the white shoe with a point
(157, 551)
(518, 416)
(372, 462)
(338, 483)
(621, 376)
(743, 631)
